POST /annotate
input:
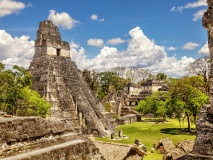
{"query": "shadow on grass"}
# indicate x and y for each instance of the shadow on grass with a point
(177, 131)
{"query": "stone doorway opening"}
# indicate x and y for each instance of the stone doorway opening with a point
(58, 52)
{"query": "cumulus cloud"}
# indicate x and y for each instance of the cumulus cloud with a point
(199, 3)
(15, 51)
(172, 67)
(62, 19)
(115, 41)
(190, 46)
(8, 7)
(95, 42)
(171, 48)
(198, 14)
(141, 52)
(94, 17)
(205, 50)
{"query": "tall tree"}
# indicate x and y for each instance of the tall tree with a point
(120, 71)
(132, 74)
(91, 78)
(201, 67)
(186, 97)
(110, 81)
(142, 74)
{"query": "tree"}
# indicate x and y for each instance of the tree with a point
(201, 67)
(161, 76)
(132, 74)
(119, 71)
(110, 81)
(91, 78)
(32, 104)
(186, 97)
(16, 98)
(154, 103)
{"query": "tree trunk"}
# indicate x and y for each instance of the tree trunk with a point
(188, 121)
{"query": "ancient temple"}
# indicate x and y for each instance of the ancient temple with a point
(59, 81)
(203, 147)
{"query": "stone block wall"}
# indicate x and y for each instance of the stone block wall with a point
(36, 138)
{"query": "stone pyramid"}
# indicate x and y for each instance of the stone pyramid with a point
(60, 82)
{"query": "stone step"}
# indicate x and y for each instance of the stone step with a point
(40, 153)
(24, 147)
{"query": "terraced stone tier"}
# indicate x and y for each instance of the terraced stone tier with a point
(60, 82)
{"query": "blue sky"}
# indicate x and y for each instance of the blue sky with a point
(159, 35)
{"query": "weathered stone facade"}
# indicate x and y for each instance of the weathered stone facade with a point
(60, 82)
(35, 138)
(203, 147)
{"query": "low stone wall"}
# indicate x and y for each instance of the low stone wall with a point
(72, 150)
(131, 118)
(27, 128)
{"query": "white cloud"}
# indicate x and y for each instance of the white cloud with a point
(198, 14)
(95, 42)
(8, 7)
(172, 67)
(115, 41)
(94, 17)
(190, 46)
(171, 48)
(199, 3)
(62, 19)
(17, 50)
(205, 50)
(141, 52)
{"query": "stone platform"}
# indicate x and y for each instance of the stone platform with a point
(35, 138)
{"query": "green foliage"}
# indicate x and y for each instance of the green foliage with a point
(110, 81)
(32, 104)
(107, 106)
(161, 76)
(91, 78)
(201, 67)
(186, 97)
(16, 98)
(155, 104)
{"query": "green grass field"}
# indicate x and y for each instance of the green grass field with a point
(149, 133)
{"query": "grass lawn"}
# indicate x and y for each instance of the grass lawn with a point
(149, 133)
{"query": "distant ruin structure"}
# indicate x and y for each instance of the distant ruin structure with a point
(124, 102)
(203, 147)
(59, 81)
